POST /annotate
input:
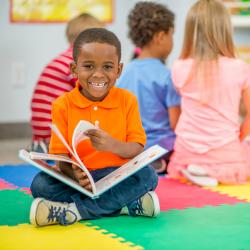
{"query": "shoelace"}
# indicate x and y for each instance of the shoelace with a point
(59, 214)
(137, 208)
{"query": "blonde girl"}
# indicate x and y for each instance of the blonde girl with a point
(210, 146)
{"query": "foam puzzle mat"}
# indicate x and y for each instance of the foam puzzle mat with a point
(191, 218)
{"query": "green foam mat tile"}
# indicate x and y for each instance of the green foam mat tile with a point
(219, 228)
(14, 207)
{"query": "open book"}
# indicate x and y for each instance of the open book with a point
(39, 160)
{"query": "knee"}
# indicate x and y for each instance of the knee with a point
(150, 177)
(39, 185)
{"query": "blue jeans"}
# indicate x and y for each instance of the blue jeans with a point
(108, 204)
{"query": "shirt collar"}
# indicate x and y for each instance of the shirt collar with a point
(110, 101)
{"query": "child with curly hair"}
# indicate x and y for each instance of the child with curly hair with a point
(151, 27)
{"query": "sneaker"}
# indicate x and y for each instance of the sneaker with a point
(203, 181)
(39, 147)
(148, 205)
(196, 170)
(159, 166)
(44, 212)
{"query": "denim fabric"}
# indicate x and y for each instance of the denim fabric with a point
(109, 203)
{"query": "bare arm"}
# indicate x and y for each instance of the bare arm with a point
(174, 114)
(245, 126)
(75, 173)
(102, 141)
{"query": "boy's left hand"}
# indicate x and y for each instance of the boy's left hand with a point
(101, 140)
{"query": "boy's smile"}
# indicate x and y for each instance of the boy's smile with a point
(97, 69)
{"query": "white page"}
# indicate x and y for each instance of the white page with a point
(45, 167)
(52, 157)
(140, 161)
(77, 137)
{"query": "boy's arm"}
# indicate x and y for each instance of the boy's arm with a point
(102, 141)
(174, 114)
(75, 173)
(245, 126)
(173, 104)
(135, 134)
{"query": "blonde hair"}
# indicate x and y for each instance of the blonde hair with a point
(208, 35)
(80, 23)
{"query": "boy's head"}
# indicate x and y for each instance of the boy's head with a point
(151, 22)
(79, 23)
(97, 55)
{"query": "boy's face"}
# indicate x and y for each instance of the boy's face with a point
(97, 69)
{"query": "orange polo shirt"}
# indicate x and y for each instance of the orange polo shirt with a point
(118, 115)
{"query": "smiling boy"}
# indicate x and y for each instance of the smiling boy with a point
(120, 137)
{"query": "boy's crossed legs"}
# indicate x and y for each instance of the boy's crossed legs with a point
(57, 203)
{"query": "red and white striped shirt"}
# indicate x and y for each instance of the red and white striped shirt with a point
(55, 79)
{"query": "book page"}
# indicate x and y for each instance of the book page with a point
(52, 157)
(137, 163)
(77, 137)
(45, 167)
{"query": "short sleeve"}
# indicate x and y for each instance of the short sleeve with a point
(59, 118)
(173, 98)
(135, 131)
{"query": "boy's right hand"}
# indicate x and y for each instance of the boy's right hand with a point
(81, 177)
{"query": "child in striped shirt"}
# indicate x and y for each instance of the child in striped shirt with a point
(54, 80)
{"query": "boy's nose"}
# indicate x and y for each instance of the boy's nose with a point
(98, 73)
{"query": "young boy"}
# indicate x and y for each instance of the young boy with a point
(120, 136)
(55, 79)
(151, 27)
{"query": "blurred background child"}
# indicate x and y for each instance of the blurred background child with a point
(209, 147)
(151, 27)
(54, 80)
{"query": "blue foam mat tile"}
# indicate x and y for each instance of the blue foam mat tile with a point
(19, 175)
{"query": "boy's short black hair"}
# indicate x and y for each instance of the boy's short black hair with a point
(147, 18)
(96, 35)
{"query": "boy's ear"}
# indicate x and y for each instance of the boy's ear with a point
(120, 67)
(158, 37)
(73, 69)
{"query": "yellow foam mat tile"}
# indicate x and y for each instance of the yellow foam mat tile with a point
(77, 236)
(238, 191)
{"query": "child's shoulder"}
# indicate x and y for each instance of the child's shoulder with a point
(123, 93)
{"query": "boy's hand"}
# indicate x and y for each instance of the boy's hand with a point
(101, 140)
(81, 177)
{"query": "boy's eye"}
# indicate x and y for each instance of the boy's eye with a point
(108, 67)
(88, 66)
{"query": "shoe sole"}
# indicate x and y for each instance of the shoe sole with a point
(202, 181)
(155, 199)
(33, 210)
(196, 170)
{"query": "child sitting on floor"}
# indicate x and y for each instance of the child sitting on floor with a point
(55, 79)
(210, 146)
(151, 27)
(97, 54)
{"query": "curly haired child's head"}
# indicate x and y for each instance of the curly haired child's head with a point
(146, 19)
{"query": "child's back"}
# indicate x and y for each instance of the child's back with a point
(151, 29)
(208, 132)
(147, 78)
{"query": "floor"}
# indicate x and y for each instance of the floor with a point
(191, 218)
(9, 150)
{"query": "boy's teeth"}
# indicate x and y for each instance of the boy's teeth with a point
(98, 84)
